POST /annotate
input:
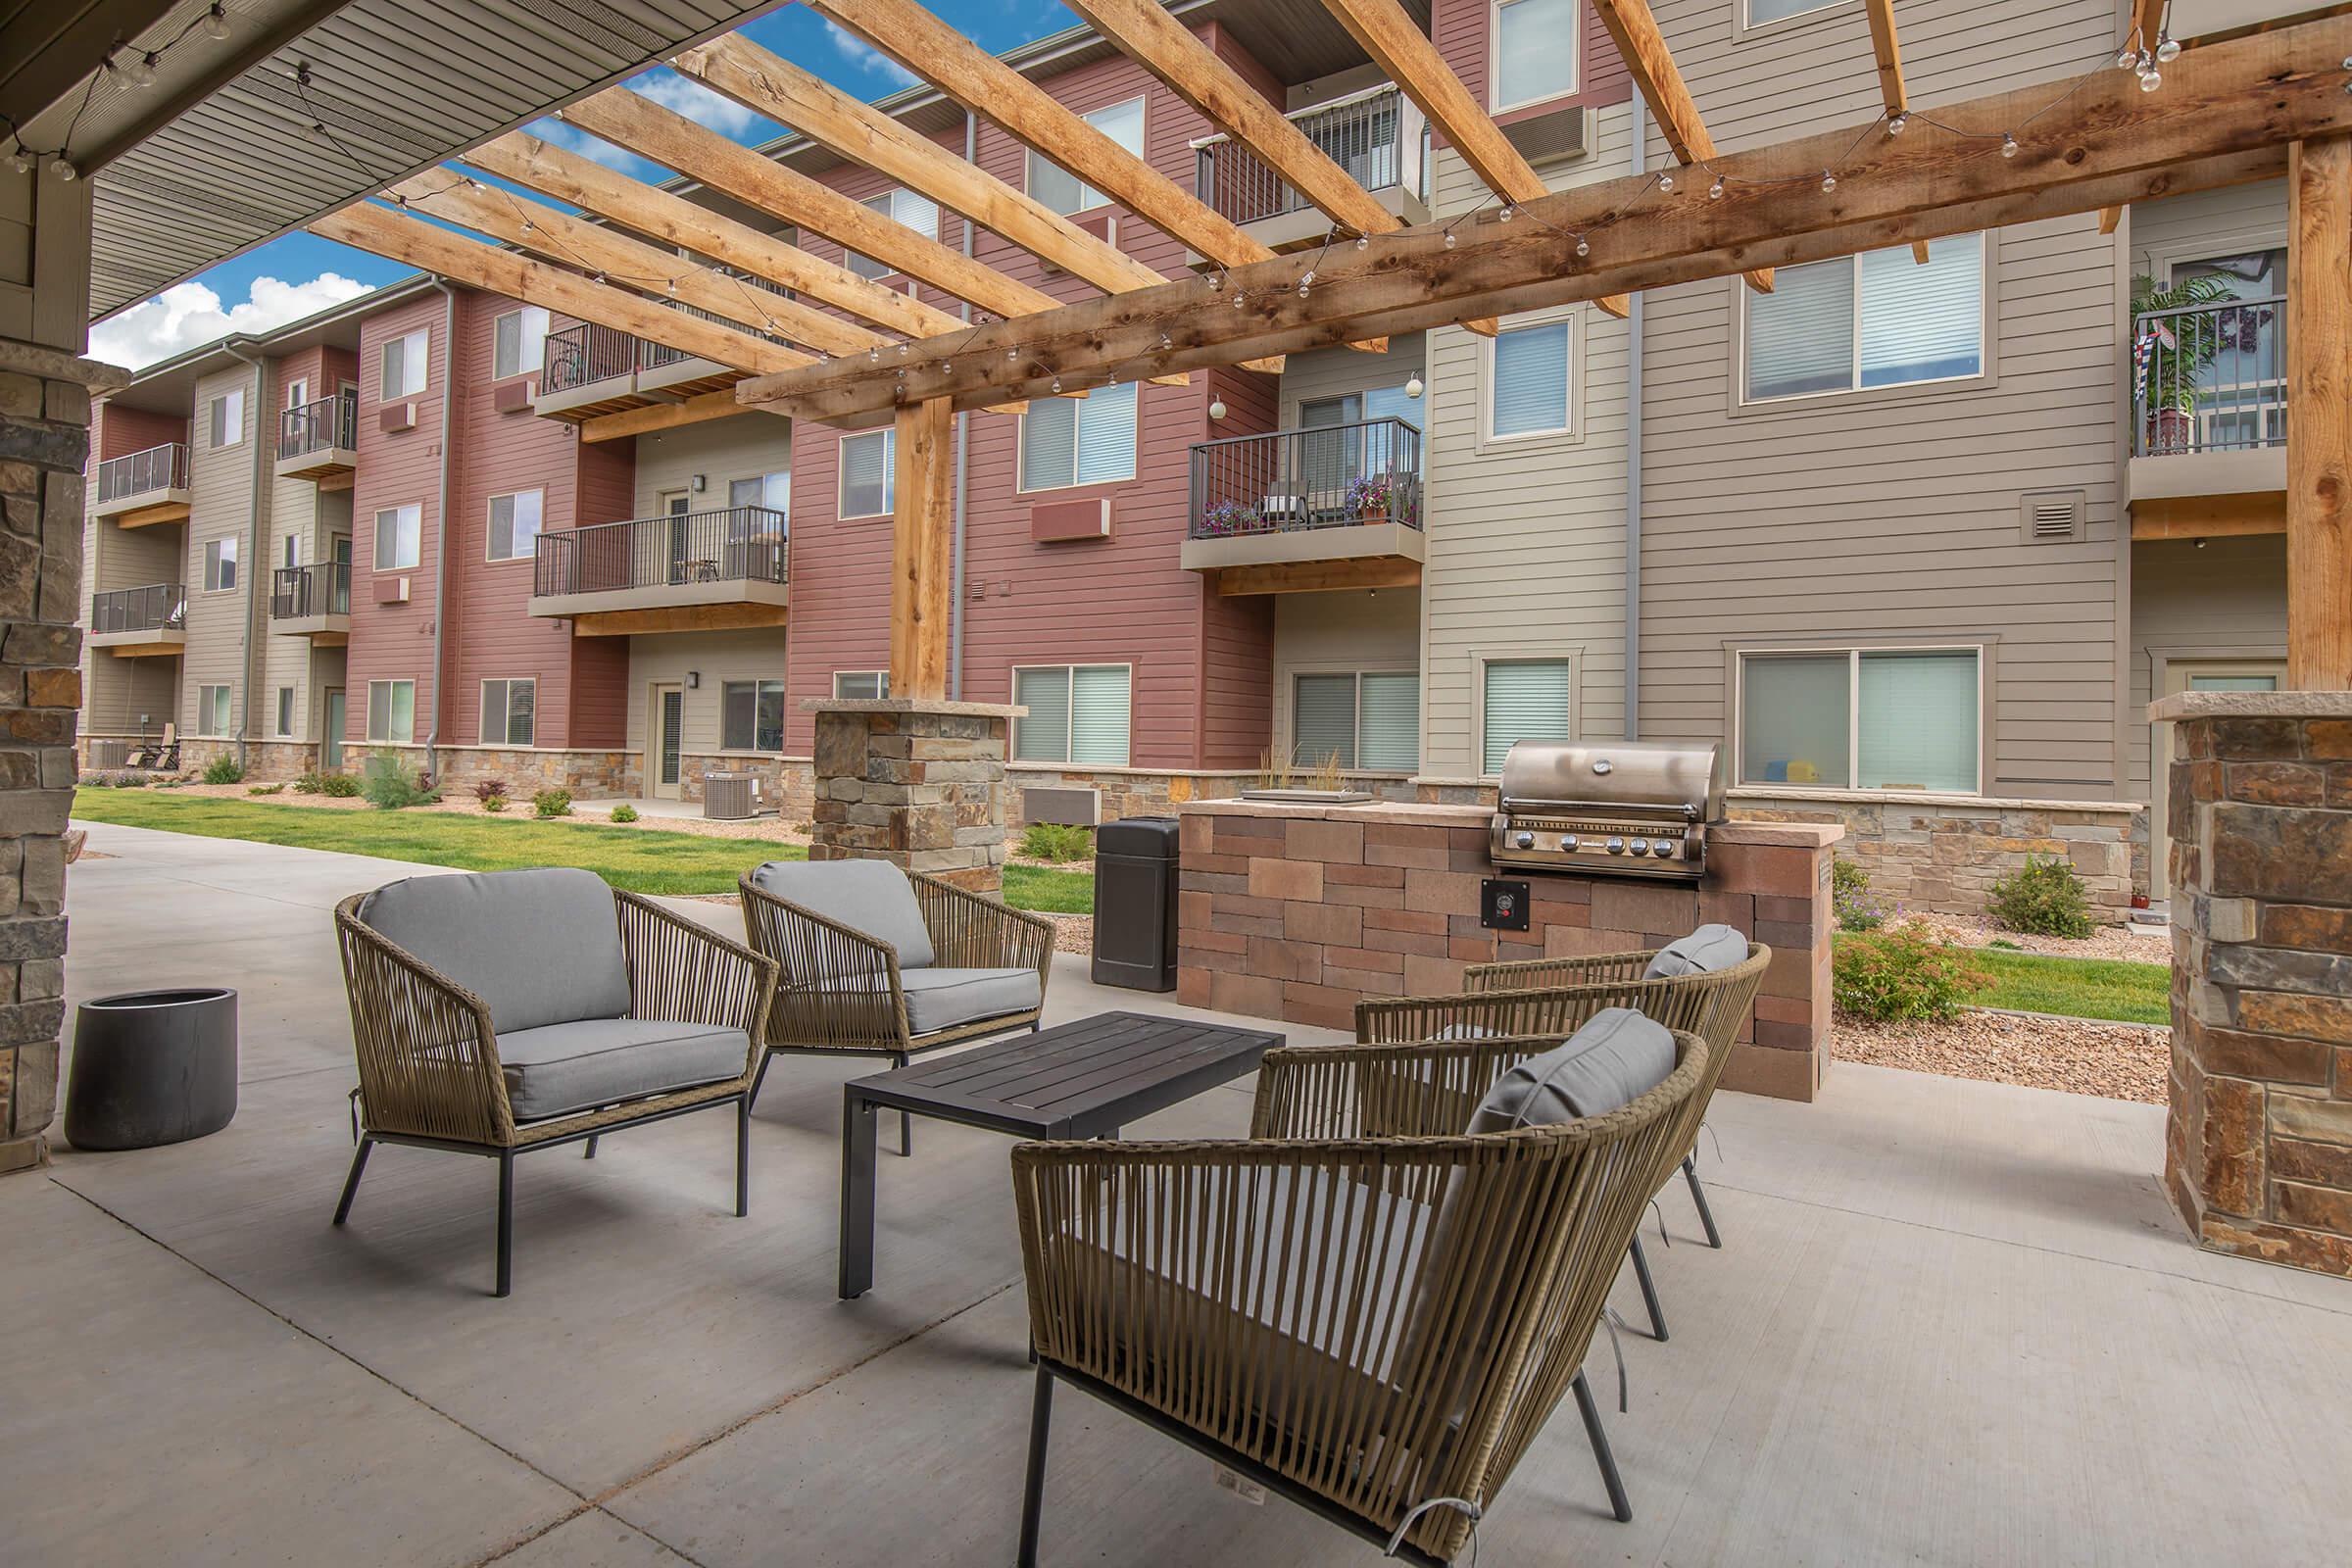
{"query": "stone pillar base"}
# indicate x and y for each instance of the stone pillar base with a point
(916, 782)
(2258, 1141)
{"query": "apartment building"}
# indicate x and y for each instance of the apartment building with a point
(1915, 538)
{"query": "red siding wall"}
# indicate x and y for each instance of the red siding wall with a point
(393, 641)
(121, 431)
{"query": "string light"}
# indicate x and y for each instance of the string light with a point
(1665, 182)
(1058, 386)
(2151, 79)
(1215, 282)
(215, 22)
(1829, 181)
(1583, 247)
(2168, 48)
(1449, 239)
(141, 73)
(1895, 124)
(1715, 191)
(1508, 212)
(2009, 148)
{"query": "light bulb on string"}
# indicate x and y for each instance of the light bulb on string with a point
(65, 170)
(1058, 386)
(1508, 212)
(1665, 182)
(2009, 147)
(2168, 49)
(2151, 79)
(1895, 126)
(1582, 246)
(1715, 191)
(140, 72)
(215, 22)
(1449, 239)
(2127, 59)
(1829, 181)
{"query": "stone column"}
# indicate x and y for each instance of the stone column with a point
(917, 782)
(2258, 1142)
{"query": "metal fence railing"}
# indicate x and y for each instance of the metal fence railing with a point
(319, 425)
(320, 589)
(579, 356)
(731, 544)
(1325, 478)
(164, 468)
(1374, 135)
(2209, 377)
(157, 607)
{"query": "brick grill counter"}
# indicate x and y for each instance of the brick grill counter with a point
(1298, 912)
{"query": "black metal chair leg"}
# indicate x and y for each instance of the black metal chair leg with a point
(591, 1154)
(1033, 1493)
(906, 1125)
(760, 1077)
(1649, 1292)
(1619, 1503)
(743, 1157)
(1699, 1195)
(505, 1221)
(351, 1183)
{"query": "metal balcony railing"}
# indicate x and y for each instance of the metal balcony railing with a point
(1326, 477)
(578, 356)
(297, 593)
(2209, 378)
(158, 607)
(733, 544)
(164, 468)
(1372, 134)
(319, 425)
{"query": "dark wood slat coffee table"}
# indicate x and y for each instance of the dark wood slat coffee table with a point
(1076, 1080)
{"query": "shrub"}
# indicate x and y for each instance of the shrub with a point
(1053, 841)
(552, 802)
(484, 789)
(1850, 899)
(310, 781)
(388, 783)
(338, 786)
(224, 769)
(1904, 974)
(624, 813)
(265, 789)
(494, 802)
(2043, 897)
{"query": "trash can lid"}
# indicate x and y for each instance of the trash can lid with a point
(1151, 837)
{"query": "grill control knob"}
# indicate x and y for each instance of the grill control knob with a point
(1616, 846)
(1525, 841)
(1663, 849)
(1567, 841)
(1639, 847)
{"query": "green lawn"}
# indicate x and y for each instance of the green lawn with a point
(640, 859)
(2078, 988)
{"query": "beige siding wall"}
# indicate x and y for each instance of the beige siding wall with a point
(298, 510)
(2228, 222)
(721, 450)
(717, 657)
(1336, 373)
(1340, 632)
(221, 499)
(2225, 600)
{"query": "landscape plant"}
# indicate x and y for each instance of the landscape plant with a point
(224, 769)
(484, 789)
(624, 813)
(552, 802)
(1055, 841)
(494, 802)
(1904, 974)
(267, 789)
(338, 786)
(1850, 899)
(2043, 897)
(390, 784)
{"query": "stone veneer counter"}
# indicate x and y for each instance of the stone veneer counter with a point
(1298, 911)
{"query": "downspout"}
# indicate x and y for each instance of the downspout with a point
(964, 433)
(256, 546)
(449, 396)
(1633, 470)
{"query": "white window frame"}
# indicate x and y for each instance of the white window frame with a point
(1812, 12)
(298, 391)
(1134, 447)
(1570, 653)
(852, 258)
(506, 683)
(1854, 654)
(841, 478)
(1357, 674)
(881, 680)
(220, 554)
(524, 365)
(225, 420)
(756, 683)
(368, 718)
(1576, 76)
(376, 544)
(1984, 376)
(1069, 678)
(1034, 158)
(285, 712)
(422, 374)
(1568, 315)
(220, 698)
(490, 526)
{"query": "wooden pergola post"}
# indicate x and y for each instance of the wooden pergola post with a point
(922, 546)
(2319, 396)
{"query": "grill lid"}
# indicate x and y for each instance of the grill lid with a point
(1616, 775)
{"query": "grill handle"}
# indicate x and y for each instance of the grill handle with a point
(1511, 806)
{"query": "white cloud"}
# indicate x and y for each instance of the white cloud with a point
(868, 59)
(187, 315)
(701, 105)
(573, 139)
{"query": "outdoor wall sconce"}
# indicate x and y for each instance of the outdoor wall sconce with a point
(702, 482)
(694, 680)
(1216, 410)
(1413, 387)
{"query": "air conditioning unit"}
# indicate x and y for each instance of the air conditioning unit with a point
(1055, 521)
(395, 417)
(391, 590)
(729, 797)
(1065, 805)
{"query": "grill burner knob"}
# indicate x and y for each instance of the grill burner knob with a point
(1640, 846)
(1567, 841)
(1616, 846)
(1525, 841)
(1663, 849)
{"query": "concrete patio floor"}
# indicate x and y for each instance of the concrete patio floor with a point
(1954, 1323)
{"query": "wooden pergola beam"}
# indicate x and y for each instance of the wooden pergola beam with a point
(1634, 30)
(922, 546)
(402, 238)
(2147, 23)
(1887, 53)
(695, 410)
(2318, 388)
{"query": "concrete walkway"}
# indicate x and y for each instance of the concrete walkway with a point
(1953, 1324)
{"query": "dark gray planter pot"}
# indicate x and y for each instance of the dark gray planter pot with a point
(152, 1067)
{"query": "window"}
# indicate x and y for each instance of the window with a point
(297, 392)
(1534, 51)
(1077, 713)
(517, 342)
(1066, 193)
(1527, 699)
(1862, 718)
(509, 712)
(1760, 12)
(771, 490)
(285, 710)
(228, 418)
(1528, 381)
(861, 685)
(219, 565)
(1875, 319)
(867, 461)
(915, 212)
(1080, 440)
(1371, 721)
(404, 366)
(293, 552)
(392, 711)
(397, 531)
(514, 524)
(750, 716)
(212, 711)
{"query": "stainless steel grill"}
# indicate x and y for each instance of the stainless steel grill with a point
(1612, 808)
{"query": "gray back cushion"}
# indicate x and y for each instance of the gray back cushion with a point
(539, 947)
(870, 897)
(1616, 1058)
(1703, 952)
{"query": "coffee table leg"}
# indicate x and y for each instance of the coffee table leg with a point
(856, 1194)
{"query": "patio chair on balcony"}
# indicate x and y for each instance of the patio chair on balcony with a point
(874, 963)
(500, 1013)
(1706, 982)
(1374, 1303)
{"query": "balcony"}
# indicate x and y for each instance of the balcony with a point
(590, 371)
(1377, 136)
(140, 622)
(2209, 419)
(144, 488)
(318, 441)
(718, 570)
(313, 602)
(1301, 511)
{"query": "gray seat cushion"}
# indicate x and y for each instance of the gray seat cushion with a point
(1703, 952)
(1617, 1057)
(943, 999)
(540, 947)
(872, 898)
(600, 1061)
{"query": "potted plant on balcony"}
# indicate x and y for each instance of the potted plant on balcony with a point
(2172, 352)
(1380, 498)
(1225, 518)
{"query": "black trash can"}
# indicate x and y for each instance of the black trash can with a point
(1135, 904)
(152, 1067)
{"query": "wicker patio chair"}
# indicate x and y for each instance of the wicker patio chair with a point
(497, 1013)
(1364, 1310)
(1553, 996)
(875, 963)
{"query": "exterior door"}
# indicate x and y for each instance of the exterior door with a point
(2192, 675)
(664, 724)
(331, 745)
(339, 591)
(675, 506)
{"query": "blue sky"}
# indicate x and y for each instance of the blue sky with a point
(298, 275)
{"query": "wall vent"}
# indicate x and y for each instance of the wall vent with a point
(2051, 516)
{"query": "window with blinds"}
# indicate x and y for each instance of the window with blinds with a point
(509, 712)
(904, 207)
(392, 711)
(1529, 386)
(1066, 192)
(285, 711)
(861, 685)
(1527, 699)
(228, 418)
(750, 716)
(771, 490)
(1369, 721)
(514, 524)
(1083, 440)
(865, 473)
(1535, 50)
(1794, 719)
(1077, 715)
(1323, 721)
(213, 711)
(219, 565)
(1763, 11)
(397, 537)
(1879, 319)
(517, 342)
(403, 366)
(1899, 719)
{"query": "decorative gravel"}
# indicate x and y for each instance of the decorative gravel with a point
(461, 801)
(2113, 1061)
(1072, 933)
(2140, 944)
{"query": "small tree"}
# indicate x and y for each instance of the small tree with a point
(389, 784)
(224, 769)
(2043, 897)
